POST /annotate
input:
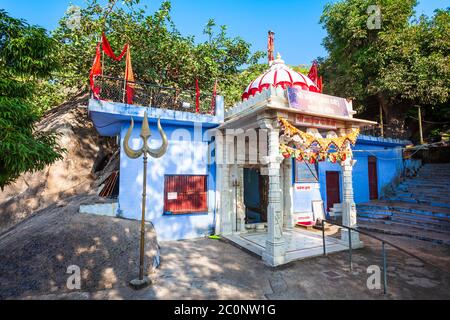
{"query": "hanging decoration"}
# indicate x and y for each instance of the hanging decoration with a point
(108, 50)
(312, 156)
(308, 140)
(314, 149)
(96, 69)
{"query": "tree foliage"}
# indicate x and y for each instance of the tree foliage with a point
(160, 54)
(403, 64)
(26, 55)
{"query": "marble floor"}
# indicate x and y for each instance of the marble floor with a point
(299, 244)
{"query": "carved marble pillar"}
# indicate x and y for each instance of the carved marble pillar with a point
(348, 203)
(288, 217)
(240, 200)
(226, 188)
(274, 253)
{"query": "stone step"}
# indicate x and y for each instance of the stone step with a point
(410, 232)
(408, 193)
(442, 201)
(402, 224)
(405, 207)
(430, 202)
(386, 215)
(431, 184)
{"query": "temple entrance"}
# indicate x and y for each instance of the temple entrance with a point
(373, 178)
(333, 189)
(256, 189)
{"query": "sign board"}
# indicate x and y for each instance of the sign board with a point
(316, 122)
(172, 196)
(318, 210)
(305, 187)
(318, 103)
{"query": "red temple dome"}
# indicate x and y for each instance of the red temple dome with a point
(279, 75)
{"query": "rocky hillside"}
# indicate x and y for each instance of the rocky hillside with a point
(86, 164)
(42, 232)
(36, 253)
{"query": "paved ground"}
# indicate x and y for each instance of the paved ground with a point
(212, 269)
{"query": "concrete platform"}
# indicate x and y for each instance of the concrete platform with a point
(299, 244)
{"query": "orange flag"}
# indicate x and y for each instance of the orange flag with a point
(129, 78)
(96, 70)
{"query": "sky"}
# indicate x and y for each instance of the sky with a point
(298, 34)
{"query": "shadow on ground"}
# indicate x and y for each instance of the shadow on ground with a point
(36, 253)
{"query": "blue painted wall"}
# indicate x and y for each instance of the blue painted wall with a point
(389, 166)
(186, 154)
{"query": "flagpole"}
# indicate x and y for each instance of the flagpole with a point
(126, 77)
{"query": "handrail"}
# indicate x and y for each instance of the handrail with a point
(383, 243)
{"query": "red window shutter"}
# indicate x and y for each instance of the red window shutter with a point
(191, 194)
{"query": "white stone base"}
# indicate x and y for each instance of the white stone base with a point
(299, 244)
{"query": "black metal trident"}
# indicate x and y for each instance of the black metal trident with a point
(134, 154)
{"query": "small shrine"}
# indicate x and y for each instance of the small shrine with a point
(260, 204)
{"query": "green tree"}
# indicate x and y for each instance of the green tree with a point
(402, 64)
(160, 54)
(26, 55)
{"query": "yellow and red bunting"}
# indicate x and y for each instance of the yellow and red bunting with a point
(340, 143)
(314, 156)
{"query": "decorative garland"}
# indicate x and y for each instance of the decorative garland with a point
(324, 143)
(314, 156)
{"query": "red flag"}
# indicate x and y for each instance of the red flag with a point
(197, 97)
(313, 72)
(129, 78)
(95, 71)
(320, 84)
(213, 100)
(108, 50)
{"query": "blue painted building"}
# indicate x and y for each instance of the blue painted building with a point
(186, 158)
(383, 155)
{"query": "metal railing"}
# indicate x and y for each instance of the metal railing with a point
(383, 249)
(146, 94)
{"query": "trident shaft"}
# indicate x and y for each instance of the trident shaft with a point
(134, 154)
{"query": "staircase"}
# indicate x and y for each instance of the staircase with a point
(431, 186)
(420, 207)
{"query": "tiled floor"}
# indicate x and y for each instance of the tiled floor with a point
(299, 244)
(295, 240)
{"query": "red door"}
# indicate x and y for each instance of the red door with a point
(373, 178)
(333, 189)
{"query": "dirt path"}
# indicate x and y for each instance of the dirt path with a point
(36, 253)
(211, 269)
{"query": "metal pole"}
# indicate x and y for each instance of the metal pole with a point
(350, 248)
(323, 238)
(381, 122)
(384, 268)
(144, 196)
(420, 124)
